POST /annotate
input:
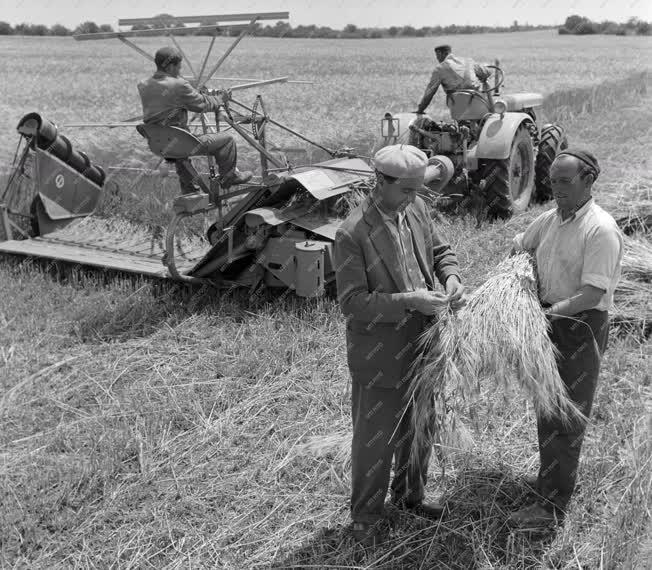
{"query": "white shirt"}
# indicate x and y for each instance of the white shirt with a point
(586, 249)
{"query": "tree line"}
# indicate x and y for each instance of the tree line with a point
(579, 25)
(278, 30)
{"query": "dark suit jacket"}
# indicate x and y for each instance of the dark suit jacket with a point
(166, 100)
(381, 332)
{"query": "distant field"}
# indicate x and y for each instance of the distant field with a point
(355, 80)
(156, 427)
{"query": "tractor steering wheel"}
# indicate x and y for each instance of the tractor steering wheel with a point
(500, 81)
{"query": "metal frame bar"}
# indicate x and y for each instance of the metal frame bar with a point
(203, 65)
(226, 54)
(259, 83)
(288, 129)
(135, 47)
(246, 136)
(6, 223)
(156, 32)
(258, 79)
(213, 17)
(183, 54)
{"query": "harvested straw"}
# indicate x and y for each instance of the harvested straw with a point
(632, 313)
(637, 259)
(501, 333)
(336, 446)
(352, 199)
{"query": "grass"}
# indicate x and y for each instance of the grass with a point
(145, 425)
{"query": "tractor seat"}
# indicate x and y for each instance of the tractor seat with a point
(171, 143)
(467, 105)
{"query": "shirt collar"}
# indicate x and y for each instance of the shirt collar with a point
(578, 213)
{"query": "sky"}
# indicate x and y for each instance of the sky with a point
(335, 13)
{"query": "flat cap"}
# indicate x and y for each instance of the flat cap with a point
(588, 159)
(444, 47)
(167, 55)
(402, 161)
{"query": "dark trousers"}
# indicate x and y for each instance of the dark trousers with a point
(381, 430)
(581, 340)
(222, 147)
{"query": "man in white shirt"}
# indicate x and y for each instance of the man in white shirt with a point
(578, 249)
(452, 73)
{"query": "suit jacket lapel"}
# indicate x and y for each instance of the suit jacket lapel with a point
(420, 245)
(383, 243)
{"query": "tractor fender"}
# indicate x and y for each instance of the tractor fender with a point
(497, 134)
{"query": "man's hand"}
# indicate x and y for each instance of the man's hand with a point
(224, 95)
(220, 97)
(426, 302)
(455, 292)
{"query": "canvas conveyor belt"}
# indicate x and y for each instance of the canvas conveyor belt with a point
(97, 247)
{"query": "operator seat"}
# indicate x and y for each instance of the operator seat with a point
(175, 145)
(467, 105)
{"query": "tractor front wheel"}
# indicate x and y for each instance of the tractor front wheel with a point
(509, 183)
(553, 141)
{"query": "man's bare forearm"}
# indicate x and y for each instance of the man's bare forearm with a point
(587, 298)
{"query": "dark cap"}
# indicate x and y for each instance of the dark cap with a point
(443, 47)
(587, 158)
(167, 55)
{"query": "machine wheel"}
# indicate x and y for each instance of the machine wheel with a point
(553, 141)
(510, 182)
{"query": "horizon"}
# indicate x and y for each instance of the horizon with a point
(337, 14)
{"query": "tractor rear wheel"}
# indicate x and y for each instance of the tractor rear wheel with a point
(553, 141)
(509, 183)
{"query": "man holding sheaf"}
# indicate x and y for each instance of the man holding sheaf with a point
(578, 249)
(389, 257)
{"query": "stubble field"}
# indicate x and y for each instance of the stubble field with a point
(153, 426)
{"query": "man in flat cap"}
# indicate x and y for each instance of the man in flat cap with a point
(166, 98)
(452, 73)
(578, 249)
(389, 258)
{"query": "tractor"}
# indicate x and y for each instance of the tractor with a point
(493, 158)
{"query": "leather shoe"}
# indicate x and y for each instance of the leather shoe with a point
(369, 534)
(237, 178)
(531, 481)
(535, 517)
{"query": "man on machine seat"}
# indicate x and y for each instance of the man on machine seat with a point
(452, 73)
(166, 98)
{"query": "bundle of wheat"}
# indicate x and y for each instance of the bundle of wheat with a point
(500, 336)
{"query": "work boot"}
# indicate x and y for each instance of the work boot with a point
(535, 517)
(369, 534)
(236, 177)
(425, 510)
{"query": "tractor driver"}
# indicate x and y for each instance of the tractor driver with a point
(452, 73)
(166, 98)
